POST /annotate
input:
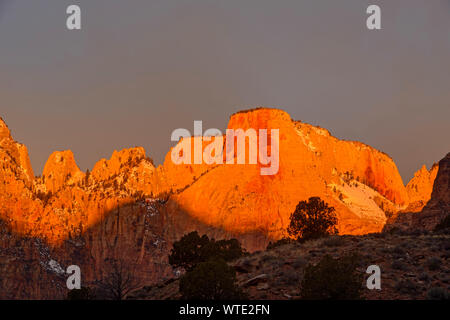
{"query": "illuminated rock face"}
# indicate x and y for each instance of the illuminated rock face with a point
(61, 170)
(105, 169)
(438, 206)
(14, 156)
(16, 182)
(441, 187)
(428, 207)
(103, 213)
(312, 163)
(420, 187)
(361, 182)
(65, 202)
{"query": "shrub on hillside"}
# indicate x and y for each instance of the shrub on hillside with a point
(192, 249)
(334, 242)
(211, 280)
(444, 225)
(312, 219)
(332, 279)
(227, 250)
(278, 243)
(187, 252)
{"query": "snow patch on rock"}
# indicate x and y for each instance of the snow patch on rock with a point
(359, 198)
(305, 139)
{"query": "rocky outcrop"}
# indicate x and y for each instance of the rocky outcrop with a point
(106, 169)
(277, 273)
(238, 198)
(14, 157)
(27, 269)
(441, 187)
(138, 235)
(359, 181)
(436, 207)
(16, 183)
(420, 187)
(61, 170)
(129, 169)
(128, 209)
(65, 201)
(439, 205)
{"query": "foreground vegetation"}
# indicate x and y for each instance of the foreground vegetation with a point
(314, 263)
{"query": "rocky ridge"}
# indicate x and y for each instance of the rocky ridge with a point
(125, 204)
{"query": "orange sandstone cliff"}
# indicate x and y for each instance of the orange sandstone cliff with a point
(430, 201)
(420, 187)
(354, 178)
(362, 183)
(126, 208)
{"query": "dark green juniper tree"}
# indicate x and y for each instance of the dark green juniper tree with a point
(312, 219)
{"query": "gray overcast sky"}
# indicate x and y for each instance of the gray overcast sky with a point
(140, 68)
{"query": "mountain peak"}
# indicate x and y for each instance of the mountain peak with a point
(4, 130)
(419, 188)
(16, 152)
(259, 118)
(59, 169)
(422, 170)
(356, 179)
(126, 158)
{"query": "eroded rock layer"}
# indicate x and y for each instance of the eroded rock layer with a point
(126, 208)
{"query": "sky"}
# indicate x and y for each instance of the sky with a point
(139, 69)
